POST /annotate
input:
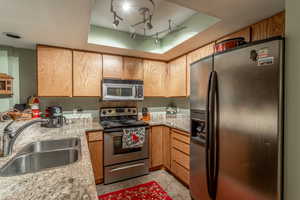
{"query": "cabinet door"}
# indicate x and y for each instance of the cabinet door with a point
(154, 78)
(156, 147)
(96, 154)
(133, 69)
(270, 27)
(112, 66)
(197, 55)
(167, 147)
(54, 71)
(87, 74)
(177, 77)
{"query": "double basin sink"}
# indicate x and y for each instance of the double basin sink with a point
(43, 155)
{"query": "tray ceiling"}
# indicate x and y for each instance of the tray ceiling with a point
(163, 11)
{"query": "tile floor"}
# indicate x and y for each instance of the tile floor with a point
(170, 184)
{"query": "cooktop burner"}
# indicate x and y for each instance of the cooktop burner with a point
(120, 118)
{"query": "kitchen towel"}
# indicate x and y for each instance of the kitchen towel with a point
(133, 137)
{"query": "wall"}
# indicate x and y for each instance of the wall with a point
(27, 66)
(9, 64)
(21, 64)
(292, 104)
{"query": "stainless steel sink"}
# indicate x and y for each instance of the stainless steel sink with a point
(50, 145)
(43, 155)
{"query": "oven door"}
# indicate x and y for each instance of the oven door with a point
(119, 92)
(114, 153)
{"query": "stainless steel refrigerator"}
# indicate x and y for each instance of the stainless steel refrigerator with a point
(237, 124)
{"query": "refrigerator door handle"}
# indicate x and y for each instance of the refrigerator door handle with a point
(208, 148)
(214, 133)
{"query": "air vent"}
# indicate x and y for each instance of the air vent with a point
(12, 35)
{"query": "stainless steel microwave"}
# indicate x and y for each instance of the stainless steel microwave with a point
(115, 89)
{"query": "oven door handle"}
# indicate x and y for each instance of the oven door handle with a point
(115, 134)
(128, 167)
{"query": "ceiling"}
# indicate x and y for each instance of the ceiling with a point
(66, 23)
(163, 11)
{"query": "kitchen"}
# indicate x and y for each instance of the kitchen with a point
(96, 71)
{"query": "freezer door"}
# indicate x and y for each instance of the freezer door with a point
(200, 72)
(249, 122)
(198, 176)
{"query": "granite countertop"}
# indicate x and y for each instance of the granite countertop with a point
(181, 123)
(74, 181)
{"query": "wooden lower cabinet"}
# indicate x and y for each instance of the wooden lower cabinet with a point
(156, 146)
(167, 147)
(95, 144)
(180, 172)
(170, 148)
(180, 155)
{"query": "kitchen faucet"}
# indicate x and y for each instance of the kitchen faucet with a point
(10, 135)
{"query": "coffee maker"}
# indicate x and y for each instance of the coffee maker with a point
(56, 118)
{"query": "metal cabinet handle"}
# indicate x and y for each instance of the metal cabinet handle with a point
(127, 167)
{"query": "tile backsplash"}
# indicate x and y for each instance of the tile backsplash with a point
(156, 106)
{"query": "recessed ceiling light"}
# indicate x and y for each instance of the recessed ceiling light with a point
(126, 6)
(12, 35)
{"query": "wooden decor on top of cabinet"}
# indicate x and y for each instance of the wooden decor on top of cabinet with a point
(156, 146)
(197, 55)
(245, 33)
(95, 144)
(87, 74)
(177, 77)
(155, 73)
(271, 27)
(133, 69)
(54, 71)
(112, 66)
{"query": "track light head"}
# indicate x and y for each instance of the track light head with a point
(133, 35)
(116, 23)
(149, 25)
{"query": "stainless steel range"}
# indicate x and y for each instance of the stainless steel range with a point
(122, 163)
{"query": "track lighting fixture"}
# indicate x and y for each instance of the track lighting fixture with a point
(144, 24)
(149, 23)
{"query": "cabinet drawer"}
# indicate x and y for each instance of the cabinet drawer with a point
(95, 136)
(182, 173)
(181, 146)
(181, 136)
(181, 158)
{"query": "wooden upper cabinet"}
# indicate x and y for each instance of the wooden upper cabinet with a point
(200, 53)
(154, 78)
(197, 55)
(133, 69)
(87, 74)
(271, 27)
(177, 77)
(54, 71)
(112, 66)
(245, 33)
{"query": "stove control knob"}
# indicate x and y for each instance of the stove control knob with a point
(129, 110)
(109, 111)
(104, 112)
(134, 111)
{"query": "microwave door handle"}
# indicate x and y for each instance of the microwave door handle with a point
(136, 91)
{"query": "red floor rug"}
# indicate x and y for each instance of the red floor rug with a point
(148, 191)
